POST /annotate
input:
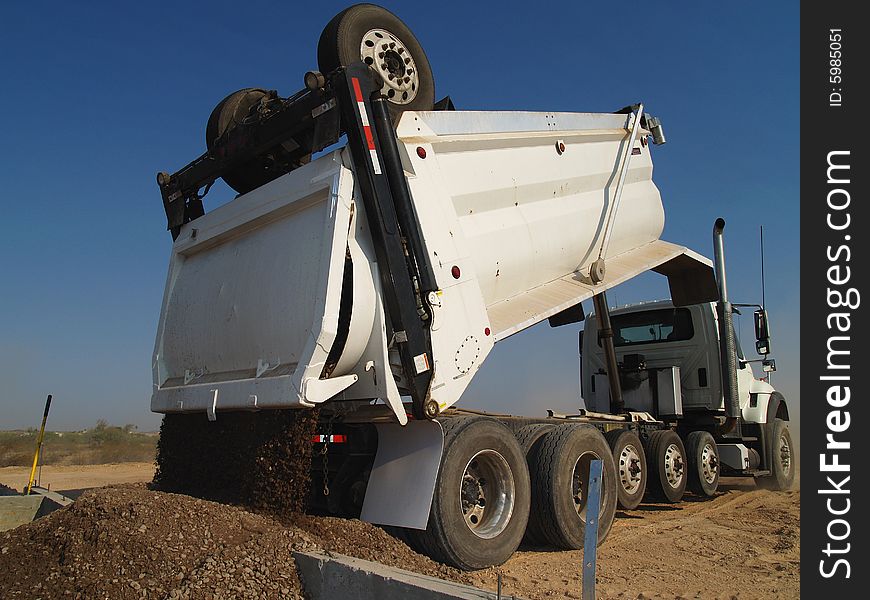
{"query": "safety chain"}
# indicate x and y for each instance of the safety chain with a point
(324, 452)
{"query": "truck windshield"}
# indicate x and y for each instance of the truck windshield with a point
(652, 327)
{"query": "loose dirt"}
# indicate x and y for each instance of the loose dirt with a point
(131, 542)
(261, 460)
(136, 542)
(126, 542)
(744, 543)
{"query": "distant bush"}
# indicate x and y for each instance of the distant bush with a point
(101, 444)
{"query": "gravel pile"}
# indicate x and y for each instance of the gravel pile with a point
(129, 542)
(221, 520)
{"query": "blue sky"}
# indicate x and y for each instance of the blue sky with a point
(97, 97)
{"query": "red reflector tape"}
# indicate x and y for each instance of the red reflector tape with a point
(339, 438)
(369, 139)
(357, 92)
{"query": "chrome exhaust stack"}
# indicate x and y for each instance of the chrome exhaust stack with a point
(727, 343)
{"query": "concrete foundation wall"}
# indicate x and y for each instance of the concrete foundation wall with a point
(336, 576)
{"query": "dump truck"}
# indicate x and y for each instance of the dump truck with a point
(382, 243)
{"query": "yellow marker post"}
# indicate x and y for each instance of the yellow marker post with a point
(31, 481)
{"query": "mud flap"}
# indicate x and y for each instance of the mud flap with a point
(402, 482)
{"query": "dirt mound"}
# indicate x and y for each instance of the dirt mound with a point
(130, 542)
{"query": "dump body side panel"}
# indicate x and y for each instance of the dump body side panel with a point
(528, 213)
(511, 209)
(252, 298)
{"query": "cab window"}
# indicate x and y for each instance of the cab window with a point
(652, 327)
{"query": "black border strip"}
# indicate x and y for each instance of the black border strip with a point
(833, 263)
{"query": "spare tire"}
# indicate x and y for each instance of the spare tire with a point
(377, 37)
(231, 112)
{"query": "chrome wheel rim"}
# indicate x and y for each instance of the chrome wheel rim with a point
(630, 469)
(674, 465)
(389, 56)
(709, 464)
(784, 454)
(579, 479)
(486, 494)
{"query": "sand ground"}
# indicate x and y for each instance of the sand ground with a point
(77, 477)
(744, 543)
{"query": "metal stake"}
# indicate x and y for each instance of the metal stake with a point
(590, 542)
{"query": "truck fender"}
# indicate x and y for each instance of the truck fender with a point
(777, 407)
(764, 406)
(402, 481)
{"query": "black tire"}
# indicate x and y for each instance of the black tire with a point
(555, 513)
(782, 459)
(529, 438)
(631, 468)
(342, 41)
(665, 454)
(449, 538)
(703, 458)
(231, 112)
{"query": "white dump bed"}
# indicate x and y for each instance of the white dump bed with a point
(512, 209)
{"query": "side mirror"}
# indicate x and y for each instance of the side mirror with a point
(762, 332)
(580, 345)
(768, 365)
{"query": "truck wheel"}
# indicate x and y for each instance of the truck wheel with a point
(630, 467)
(226, 116)
(377, 37)
(782, 459)
(703, 458)
(530, 438)
(481, 503)
(666, 465)
(230, 112)
(560, 473)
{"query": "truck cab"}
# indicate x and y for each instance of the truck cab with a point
(671, 367)
(664, 336)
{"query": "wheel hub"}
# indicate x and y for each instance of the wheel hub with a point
(579, 479)
(630, 469)
(674, 466)
(389, 56)
(486, 494)
(784, 455)
(709, 464)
